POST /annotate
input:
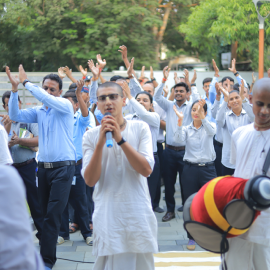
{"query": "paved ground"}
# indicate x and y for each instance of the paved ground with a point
(171, 237)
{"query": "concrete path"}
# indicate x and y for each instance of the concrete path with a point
(171, 237)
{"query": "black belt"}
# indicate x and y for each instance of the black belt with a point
(51, 165)
(176, 148)
(200, 164)
(218, 143)
(155, 154)
(18, 165)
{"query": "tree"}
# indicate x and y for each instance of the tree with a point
(225, 22)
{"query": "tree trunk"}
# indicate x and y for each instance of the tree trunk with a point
(234, 50)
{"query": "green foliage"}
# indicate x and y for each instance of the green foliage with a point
(69, 32)
(216, 23)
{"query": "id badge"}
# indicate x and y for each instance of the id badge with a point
(74, 181)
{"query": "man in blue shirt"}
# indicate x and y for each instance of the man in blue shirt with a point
(77, 197)
(57, 155)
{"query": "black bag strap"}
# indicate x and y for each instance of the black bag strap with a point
(266, 164)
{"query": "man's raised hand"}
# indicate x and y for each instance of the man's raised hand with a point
(83, 71)
(242, 89)
(215, 68)
(254, 77)
(101, 64)
(94, 69)
(166, 72)
(176, 79)
(13, 79)
(80, 85)
(194, 78)
(123, 51)
(142, 74)
(130, 68)
(233, 69)
(67, 71)
(186, 75)
(125, 88)
(61, 73)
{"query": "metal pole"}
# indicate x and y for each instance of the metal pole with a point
(261, 50)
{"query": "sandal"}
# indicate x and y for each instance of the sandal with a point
(73, 228)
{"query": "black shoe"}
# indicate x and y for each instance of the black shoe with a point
(168, 216)
(158, 209)
(180, 209)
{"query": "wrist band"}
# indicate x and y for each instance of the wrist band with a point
(164, 80)
(100, 69)
(193, 84)
(83, 77)
(153, 80)
(24, 82)
(236, 73)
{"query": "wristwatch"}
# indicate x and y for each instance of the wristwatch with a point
(236, 73)
(24, 82)
(193, 84)
(122, 141)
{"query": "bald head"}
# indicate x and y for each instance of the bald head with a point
(262, 84)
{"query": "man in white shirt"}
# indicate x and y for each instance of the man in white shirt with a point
(125, 234)
(249, 148)
(5, 157)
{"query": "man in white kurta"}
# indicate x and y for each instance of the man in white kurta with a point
(125, 227)
(250, 145)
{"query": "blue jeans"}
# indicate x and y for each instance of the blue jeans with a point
(173, 162)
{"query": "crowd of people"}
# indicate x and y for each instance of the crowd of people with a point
(111, 194)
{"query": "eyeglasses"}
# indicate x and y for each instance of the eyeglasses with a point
(110, 96)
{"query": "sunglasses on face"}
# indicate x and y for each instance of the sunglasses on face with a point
(110, 96)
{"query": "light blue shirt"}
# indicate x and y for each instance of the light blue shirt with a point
(172, 119)
(209, 116)
(55, 124)
(80, 125)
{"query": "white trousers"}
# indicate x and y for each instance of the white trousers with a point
(245, 255)
(125, 261)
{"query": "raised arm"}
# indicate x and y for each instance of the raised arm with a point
(135, 87)
(216, 104)
(194, 92)
(69, 73)
(153, 78)
(151, 118)
(236, 74)
(94, 82)
(15, 114)
(221, 114)
(82, 104)
(123, 51)
(209, 128)
(162, 101)
(212, 89)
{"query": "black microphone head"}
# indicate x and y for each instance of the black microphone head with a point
(107, 113)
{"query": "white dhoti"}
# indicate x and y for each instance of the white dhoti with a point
(125, 261)
(245, 255)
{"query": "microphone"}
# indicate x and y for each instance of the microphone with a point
(109, 140)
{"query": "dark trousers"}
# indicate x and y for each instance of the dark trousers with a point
(194, 177)
(53, 190)
(227, 171)
(153, 180)
(28, 174)
(161, 174)
(218, 165)
(78, 200)
(173, 162)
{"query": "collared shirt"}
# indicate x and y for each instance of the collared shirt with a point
(248, 153)
(214, 110)
(229, 122)
(20, 154)
(17, 250)
(92, 120)
(55, 124)
(162, 114)
(199, 142)
(5, 157)
(151, 118)
(123, 217)
(172, 119)
(209, 116)
(80, 125)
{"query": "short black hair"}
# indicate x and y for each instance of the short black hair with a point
(204, 106)
(54, 77)
(72, 95)
(111, 84)
(72, 86)
(145, 93)
(236, 86)
(227, 77)
(182, 84)
(7, 95)
(116, 77)
(149, 82)
(206, 80)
